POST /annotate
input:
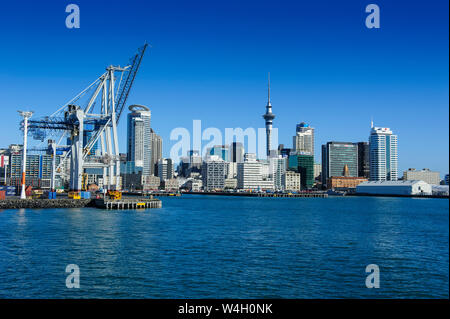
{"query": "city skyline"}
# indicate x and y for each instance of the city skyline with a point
(393, 86)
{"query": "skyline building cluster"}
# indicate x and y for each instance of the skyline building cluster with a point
(342, 164)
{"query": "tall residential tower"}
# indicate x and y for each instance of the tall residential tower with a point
(303, 140)
(383, 155)
(138, 137)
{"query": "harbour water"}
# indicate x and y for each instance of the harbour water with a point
(230, 247)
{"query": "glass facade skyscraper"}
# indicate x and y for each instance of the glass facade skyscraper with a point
(303, 163)
(138, 137)
(337, 156)
(383, 155)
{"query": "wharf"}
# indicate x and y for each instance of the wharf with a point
(128, 203)
(125, 203)
(250, 194)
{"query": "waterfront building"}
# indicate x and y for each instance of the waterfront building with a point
(165, 169)
(440, 190)
(237, 152)
(303, 141)
(363, 159)
(303, 163)
(230, 183)
(336, 156)
(193, 185)
(138, 137)
(150, 183)
(170, 184)
(394, 188)
(268, 118)
(4, 163)
(344, 182)
(38, 169)
(446, 179)
(277, 170)
(383, 155)
(291, 181)
(214, 171)
(250, 174)
(424, 175)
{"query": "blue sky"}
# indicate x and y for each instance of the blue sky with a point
(209, 61)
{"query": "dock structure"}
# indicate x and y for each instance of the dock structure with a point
(128, 203)
(292, 195)
(257, 194)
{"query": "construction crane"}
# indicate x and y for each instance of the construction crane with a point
(104, 101)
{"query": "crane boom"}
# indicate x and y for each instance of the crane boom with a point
(124, 90)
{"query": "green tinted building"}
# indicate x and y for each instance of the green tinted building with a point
(303, 164)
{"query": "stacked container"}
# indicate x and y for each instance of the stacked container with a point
(85, 195)
(9, 190)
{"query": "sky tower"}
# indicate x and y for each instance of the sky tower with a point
(268, 117)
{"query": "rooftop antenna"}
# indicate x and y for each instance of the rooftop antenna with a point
(371, 122)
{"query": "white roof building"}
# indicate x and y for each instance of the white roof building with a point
(414, 187)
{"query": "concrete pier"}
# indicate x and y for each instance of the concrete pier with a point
(128, 203)
(255, 194)
(125, 203)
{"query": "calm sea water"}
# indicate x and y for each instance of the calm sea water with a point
(230, 247)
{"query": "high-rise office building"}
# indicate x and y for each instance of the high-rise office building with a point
(155, 151)
(165, 169)
(383, 154)
(303, 141)
(338, 156)
(237, 152)
(363, 159)
(303, 163)
(214, 171)
(138, 137)
(250, 174)
(277, 170)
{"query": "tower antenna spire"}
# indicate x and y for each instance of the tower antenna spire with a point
(269, 89)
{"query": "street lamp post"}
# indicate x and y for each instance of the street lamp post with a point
(26, 116)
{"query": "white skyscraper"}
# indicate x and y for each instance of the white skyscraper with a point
(303, 140)
(252, 174)
(383, 155)
(277, 170)
(138, 137)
